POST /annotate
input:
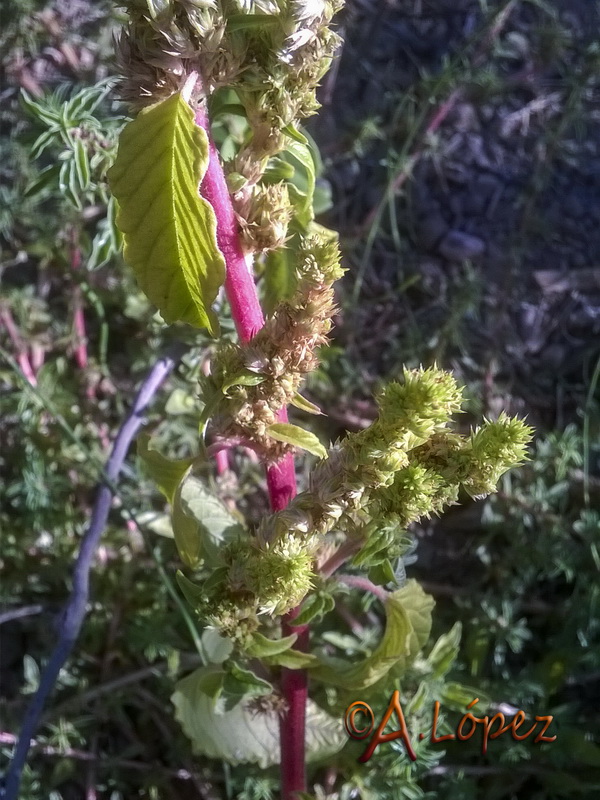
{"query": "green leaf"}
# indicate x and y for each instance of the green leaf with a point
(68, 184)
(243, 22)
(279, 278)
(240, 682)
(42, 142)
(301, 187)
(245, 378)
(417, 605)
(103, 247)
(394, 648)
(84, 103)
(201, 520)
(312, 607)
(292, 659)
(210, 681)
(181, 402)
(156, 521)
(305, 405)
(261, 646)
(186, 532)
(170, 231)
(383, 573)
(111, 221)
(216, 577)
(42, 112)
(457, 697)
(47, 177)
(193, 593)
(244, 735)
(445, 651)
(215, 647)
(298, 437)
(277, 170)
(377, 544)
(165, 473)
(323, 197)
(295, 134)
(82, 165)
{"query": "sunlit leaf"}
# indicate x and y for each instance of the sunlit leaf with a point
(169, 229)
(82, 165)
(445, 651)
(302, 186)
(418, 606)
(396, 648)
(156, 521)
(305, 405)
(165, 473)
(201, 523)
(298, 437)
(215, 647)
(261, 646)
(245, 734)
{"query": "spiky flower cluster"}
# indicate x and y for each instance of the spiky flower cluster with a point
(344, 489)
(407, 465)
(258, 578)
(263, 213)
(271, 53)
(258, 379)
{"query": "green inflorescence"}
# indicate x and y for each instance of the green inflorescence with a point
(407, 465)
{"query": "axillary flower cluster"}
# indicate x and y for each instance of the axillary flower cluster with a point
(255, 381)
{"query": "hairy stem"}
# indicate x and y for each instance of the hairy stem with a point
(281, 477)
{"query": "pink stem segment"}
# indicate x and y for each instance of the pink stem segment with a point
(19, 345)
(239, 282)
(281, 478)
(222, 461)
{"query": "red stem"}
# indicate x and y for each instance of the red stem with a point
(292, 728)
(239, 282)
(19, 345)
(281, 478)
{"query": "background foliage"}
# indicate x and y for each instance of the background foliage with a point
(426, 101)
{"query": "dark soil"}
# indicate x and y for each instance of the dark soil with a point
(501, 114)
